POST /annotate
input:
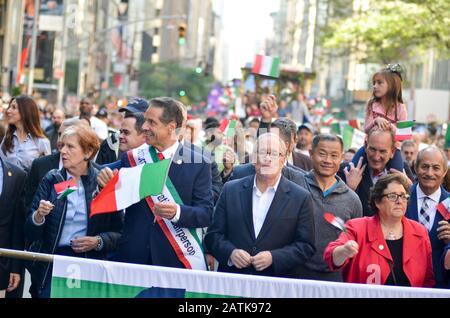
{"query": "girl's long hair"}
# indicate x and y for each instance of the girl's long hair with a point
(29, 113)
(393, 95)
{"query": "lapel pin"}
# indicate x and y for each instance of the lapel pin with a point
(179, 162)
(9, 174)
(381, 247)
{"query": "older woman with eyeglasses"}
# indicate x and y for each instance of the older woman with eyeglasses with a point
(387, 248)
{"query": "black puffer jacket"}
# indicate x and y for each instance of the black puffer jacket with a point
(45, 238)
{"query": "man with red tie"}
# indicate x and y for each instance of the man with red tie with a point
(165, 230)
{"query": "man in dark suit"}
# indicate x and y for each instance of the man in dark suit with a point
(379, 149)
(431, 167)
(12, 219)
(263, 224)
(163, 230)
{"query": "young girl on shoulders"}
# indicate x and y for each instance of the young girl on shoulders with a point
(385, 108)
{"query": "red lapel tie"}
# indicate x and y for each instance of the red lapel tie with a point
(160, 156)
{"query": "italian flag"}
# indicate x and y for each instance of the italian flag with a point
(335, 128)
(227, 127)
(327, 119)
(354, 123)
(130, 186)
(63, 189)
(335, 221)
(326, 103)
(447, 136)
(444, 209)
(266, 65)
(404, 130)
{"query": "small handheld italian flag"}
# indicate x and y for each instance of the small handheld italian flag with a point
(130, 185)
(63, 189)
(328, 119)
(335, 221)
(266, 66)
(444, 209)
(404, 130)
(227, 127)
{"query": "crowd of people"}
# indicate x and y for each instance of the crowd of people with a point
(247, 197)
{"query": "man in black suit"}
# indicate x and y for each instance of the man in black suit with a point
(263, 224)
(12, 218)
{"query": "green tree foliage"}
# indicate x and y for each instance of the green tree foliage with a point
(391, 30)
(169, 79)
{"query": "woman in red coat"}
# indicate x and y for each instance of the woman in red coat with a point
(387, 248)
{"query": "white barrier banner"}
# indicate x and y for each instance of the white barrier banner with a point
(85, 278)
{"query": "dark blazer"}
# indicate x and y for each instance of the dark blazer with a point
(39, 169)
(437, 245)
(12, 217)
(143, 241)
(106, 154)
(302, 161)
(287, 232)
(216, 179)
(366, 184)
(290, 172)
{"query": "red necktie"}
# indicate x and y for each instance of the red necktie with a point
(160, 156)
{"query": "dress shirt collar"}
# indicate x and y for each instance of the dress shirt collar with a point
(434, 196)
(274, 187)
(169, 152)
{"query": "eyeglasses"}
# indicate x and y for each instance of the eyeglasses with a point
(393, 197)
(272, 154)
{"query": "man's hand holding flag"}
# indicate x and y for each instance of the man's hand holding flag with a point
(130, 185)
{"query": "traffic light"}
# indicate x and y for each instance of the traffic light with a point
(181, 34)
(182, 93)
(199, 68)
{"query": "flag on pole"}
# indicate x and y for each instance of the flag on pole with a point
(347, 136)
(354, 123)
(404, 130)
(266, 65)
(131, 185)
(63, 189)
(335, 221)
(335, 128)
(328, 119)
(227, 127)
(352, 138)
(447, 137)
(66, 192)
(444, 209)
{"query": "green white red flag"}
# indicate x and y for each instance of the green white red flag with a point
(266, 65)
(444, 209)
(404, 130)
(335, 221)
(130, 186)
